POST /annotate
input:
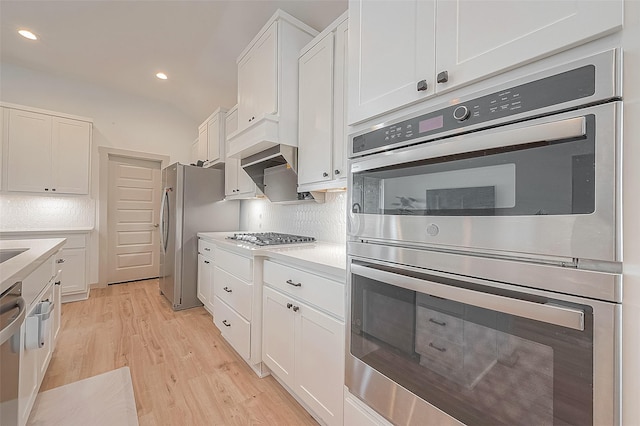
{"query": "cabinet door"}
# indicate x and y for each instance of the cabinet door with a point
(203, 142)
(340, 101)
(278, 334)
(231, 165)
(29, 152)
(70, 153)
(205, 269)
(73, 278)
(316, 112)
(522, 31)
(213, 140)
(319, 341)
(258, 79)
(57, 297)
(391, 49)
(246, 186)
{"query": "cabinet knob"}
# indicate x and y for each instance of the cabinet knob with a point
(296, 308)
(443, 77)
(422, 85)
(325, 174)
(336, 172)
(289, 305)
(60, 261)
(57, 283)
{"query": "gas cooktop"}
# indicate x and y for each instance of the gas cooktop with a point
(270, 238)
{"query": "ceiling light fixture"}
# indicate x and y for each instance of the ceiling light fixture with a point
(27, 34)
(161, 76)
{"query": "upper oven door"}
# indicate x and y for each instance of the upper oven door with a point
(543, 187)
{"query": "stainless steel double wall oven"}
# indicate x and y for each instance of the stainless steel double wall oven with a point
(484, 244)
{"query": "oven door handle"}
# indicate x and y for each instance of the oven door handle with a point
(569, 128)
(545, 312)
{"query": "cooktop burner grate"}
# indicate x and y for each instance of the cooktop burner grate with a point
(270, 238)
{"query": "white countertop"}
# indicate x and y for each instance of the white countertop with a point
(19, 267)
(322, 257)
(47, 231)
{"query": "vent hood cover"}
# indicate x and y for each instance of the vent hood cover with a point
(274, 172)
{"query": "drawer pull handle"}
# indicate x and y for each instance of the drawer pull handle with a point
(226, 323)
(294, 284)
(207, 262)
(227, 289)
(57, 283)
(296, 308)
(435, 347)
(289, 305)
(207, 249)
(60, 261)
(442, 323)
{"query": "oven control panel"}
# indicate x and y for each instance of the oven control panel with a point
(556, 89)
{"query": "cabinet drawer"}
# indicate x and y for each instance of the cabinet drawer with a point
(437, 324)
(235, 329)
(240, 266)
(206, 248)
(233, 291)
(439, 353)
(319, 291)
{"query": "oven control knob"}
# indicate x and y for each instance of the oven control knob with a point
(461, 113)
(433, 230)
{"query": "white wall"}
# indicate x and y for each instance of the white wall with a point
(119, 120)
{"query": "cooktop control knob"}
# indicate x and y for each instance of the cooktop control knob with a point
(461, 113)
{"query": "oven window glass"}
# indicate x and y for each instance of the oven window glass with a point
(477, 365)
(546, 178)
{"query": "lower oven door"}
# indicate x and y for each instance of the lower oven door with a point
(427, 347)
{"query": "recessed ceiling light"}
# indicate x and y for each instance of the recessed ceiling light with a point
(28, 34)
(161, 76)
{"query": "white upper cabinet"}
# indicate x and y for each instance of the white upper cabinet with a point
(258, 79)
(237, 183)
(267, 89)
(521, 31)
(391, 51)
(321, 153)
(211, 138)
(398, 54)
(47, 153)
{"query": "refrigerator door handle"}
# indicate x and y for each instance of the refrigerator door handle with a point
(164, 236)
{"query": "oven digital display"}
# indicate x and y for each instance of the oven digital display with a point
(430, 124)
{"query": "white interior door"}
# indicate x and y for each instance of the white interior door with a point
(133, 213)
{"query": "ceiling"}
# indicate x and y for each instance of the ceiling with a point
(121, 45)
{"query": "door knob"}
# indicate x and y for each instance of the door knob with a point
(155, 225)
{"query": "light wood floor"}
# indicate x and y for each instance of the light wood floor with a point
(183, 372)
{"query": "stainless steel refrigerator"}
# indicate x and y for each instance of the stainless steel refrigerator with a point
(192, 202)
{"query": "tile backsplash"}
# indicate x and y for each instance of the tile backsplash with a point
(19, 212)
(324, 221)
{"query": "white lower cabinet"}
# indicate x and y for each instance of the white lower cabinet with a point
(303, 345)
(38, 333)
(72, 260)
(234, 328)
(205, 274)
